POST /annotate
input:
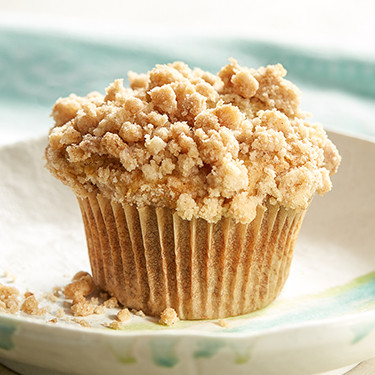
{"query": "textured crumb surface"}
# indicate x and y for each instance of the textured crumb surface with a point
(9, 299)
(115, 324)
(31, 306)
(123, 315)
(82, 322)
(206, 145)
(79, 302)
(168, 317)
(111, 303)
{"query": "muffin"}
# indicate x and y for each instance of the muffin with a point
(192, 186)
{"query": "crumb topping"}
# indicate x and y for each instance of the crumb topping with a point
(206, 145)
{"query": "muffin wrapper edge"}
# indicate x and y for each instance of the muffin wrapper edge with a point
(150, 258)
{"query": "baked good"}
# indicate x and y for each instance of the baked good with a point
(192, 186)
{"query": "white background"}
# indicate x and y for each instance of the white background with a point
(338, 24)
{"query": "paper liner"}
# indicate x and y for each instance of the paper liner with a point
(150, 258)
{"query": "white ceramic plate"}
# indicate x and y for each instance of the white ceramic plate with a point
(324, 318)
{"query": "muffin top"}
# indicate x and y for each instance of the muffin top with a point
(206, 145)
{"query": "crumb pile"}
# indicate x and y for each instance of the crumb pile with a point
(82, 299)
(206, 145)
(9, 299)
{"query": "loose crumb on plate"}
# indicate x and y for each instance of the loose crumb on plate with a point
(168, 317)
(9, 299)
(223, 323)
(82, 322)
(60, 313)
(115, 324)
(31, 306)
(139, 313)
(56, 291)
(82, 307)
(82, 284)
(123, 315)
(50, 297)
(99, 310)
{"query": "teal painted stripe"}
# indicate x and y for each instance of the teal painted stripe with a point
(358, 295)
(6, 335)
(163, 351)
(207, 348)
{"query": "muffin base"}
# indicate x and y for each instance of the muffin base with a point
(150, 259)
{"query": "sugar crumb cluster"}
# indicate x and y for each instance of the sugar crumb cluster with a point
(81, 299)
(206, 145)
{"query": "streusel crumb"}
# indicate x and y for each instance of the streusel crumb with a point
(50, 297)
(56, 291)
(60, 313)
(31, 306)
(99, 310)
(82, 284)
(223, 323)
(9, 299)
(111, 303)
(82, 322)
(206, 145)
(82, 307)
(115, 324)
(123, 315)
(168, 317)
(139, 313)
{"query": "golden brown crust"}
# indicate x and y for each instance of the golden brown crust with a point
(206, 145)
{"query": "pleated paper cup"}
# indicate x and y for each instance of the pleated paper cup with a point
(151, 259)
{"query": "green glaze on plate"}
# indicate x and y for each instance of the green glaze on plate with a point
(6, 335)
(207, 348)
(361, 331)
(242, 353)
(124, 352)
(163, 351)
(351, 298)
(334, 302)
